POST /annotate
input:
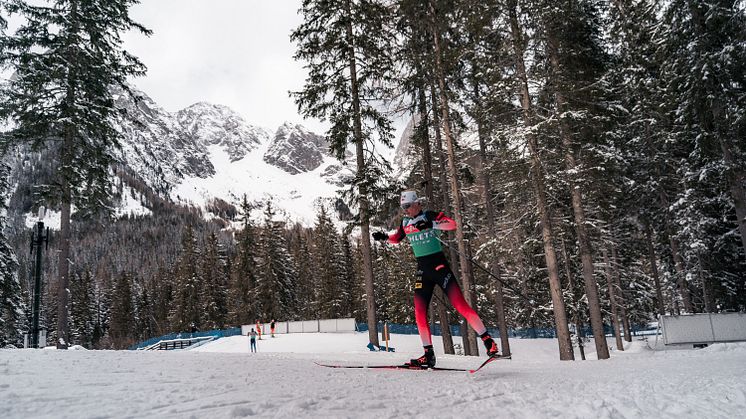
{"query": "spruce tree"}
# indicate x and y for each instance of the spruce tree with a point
(214, 285)
(704, 54)
(122, 323)
(66, 58)
(325, 253)
(277, 274)
(539, 175)
(82, 309)
(306, 289)
(186, 312)
(11, 303)
(242, 305)
(347, 46)
(577, 91)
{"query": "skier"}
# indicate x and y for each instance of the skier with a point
(422, 228)
(252, 339)
(259, 329)
(272, 327)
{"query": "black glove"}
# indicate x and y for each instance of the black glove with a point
(380, 236)
(423, 225)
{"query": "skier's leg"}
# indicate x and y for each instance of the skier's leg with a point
(454, 294)
(453, 291)
(423, 292)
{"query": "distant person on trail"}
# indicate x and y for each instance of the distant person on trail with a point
(272, 327)
(421, 229)
(252, 339)
(259, 329)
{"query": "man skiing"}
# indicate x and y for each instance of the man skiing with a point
(422, 228)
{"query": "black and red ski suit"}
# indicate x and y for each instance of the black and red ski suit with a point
(432, 270)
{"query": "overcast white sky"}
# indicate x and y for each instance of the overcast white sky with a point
(231, 52)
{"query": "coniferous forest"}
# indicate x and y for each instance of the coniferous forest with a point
(593, 154)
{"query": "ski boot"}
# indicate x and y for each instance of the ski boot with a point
(425, 361)
(492, 350)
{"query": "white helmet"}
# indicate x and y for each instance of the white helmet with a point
(408, 198)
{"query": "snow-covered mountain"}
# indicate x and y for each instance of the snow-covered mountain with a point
(208, 151)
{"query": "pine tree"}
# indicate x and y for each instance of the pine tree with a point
(704, 49)
(538, 175)
(486, 95)
(309, 273)
(162, 296)
(242, 301)
(643, 152)
(326, 255)
(102, 303)
(11, 304)
(352, 302)
(145, 324)
(347, 47)
(214, 285)
(185, 311)
(66, 57)
(122, 323)
(82, 309)
(576, 86)
(277, 274)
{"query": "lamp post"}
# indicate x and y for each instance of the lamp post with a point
(38, 237)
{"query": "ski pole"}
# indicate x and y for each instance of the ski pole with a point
(518, 293)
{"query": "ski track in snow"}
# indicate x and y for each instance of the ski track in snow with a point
(222, 379)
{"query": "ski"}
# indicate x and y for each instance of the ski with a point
(391, 367)
(410, 368)
(487, 361)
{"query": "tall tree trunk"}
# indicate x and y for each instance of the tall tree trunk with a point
(466, 274)
(63, 284)
(654, 270)
(612, 299)
(620, 301)
(439, 301)
(445, 204)
(580, 334)
(66, 159)
(363, 190)
(584, 245)
(492, 228)
(560, 316)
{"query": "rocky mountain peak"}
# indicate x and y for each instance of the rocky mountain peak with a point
(211, 124)
(295, 150)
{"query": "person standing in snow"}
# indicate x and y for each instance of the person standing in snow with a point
(259, 329)
(272, 327)
(421, 229)
(252, 340)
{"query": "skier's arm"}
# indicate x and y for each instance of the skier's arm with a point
(441, 222)
(397, 236)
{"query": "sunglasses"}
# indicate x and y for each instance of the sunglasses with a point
(407, 205)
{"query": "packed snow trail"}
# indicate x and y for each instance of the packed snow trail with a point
(638, 383)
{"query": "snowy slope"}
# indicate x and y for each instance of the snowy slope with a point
(295, 194)
(283, 381)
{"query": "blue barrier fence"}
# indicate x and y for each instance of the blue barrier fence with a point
(184, 335)
(402, 329)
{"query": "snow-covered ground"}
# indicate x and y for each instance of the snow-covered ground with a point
(222, 379)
